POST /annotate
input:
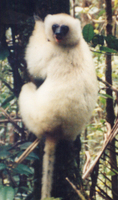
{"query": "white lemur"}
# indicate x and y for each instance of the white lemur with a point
(61, 107)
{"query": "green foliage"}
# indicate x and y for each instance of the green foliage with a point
(23, 169)
(7, 97)
(6, 193)
(97, 39)
(2, 166)
(4, 153)
(105, 96)
(4, 53)
(112, 42)
(8, 154)
(7, 100)
(101, 13)
(107, 50)
(100, 40)
(88, 32)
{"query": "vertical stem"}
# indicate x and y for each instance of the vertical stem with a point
(108, 75)
(109, 103)
(73, 8)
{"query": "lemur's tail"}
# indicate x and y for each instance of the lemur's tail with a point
(48, 166)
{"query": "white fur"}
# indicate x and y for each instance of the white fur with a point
(67, 97)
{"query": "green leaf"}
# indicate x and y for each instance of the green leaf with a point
(105, 96)
(107, 49)
(88, 32)
(102, 121)
(98, 39)
(102, 100)
(32, 156)
(6, 193)
(4, 154)
(112, 42)
(24, 189)
(110, 173)
(116, 171)
(2, 166)
(23, 169)
(2, 193)
(25, 145)
(101, 13)
(9, 193)
(6, 101)
(4, 52)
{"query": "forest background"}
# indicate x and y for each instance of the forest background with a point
(21, 180)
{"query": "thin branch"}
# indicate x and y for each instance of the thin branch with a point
(76, 190)
(28, 151)
(7, 120)
(6, 84)
(107, 84)
(21, 130)
(88, 159)
(104, 193)
(31, 147)
(107, 140)
(104, 183)
(96, 20)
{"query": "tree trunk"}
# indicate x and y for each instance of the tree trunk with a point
(109, 103)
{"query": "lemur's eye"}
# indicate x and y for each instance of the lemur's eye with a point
(64, 29)
(54, 27)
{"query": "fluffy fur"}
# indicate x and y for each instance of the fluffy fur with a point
(61, 107)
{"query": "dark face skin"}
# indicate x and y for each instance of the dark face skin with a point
(60, 31)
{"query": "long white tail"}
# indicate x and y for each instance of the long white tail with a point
(48, 166)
